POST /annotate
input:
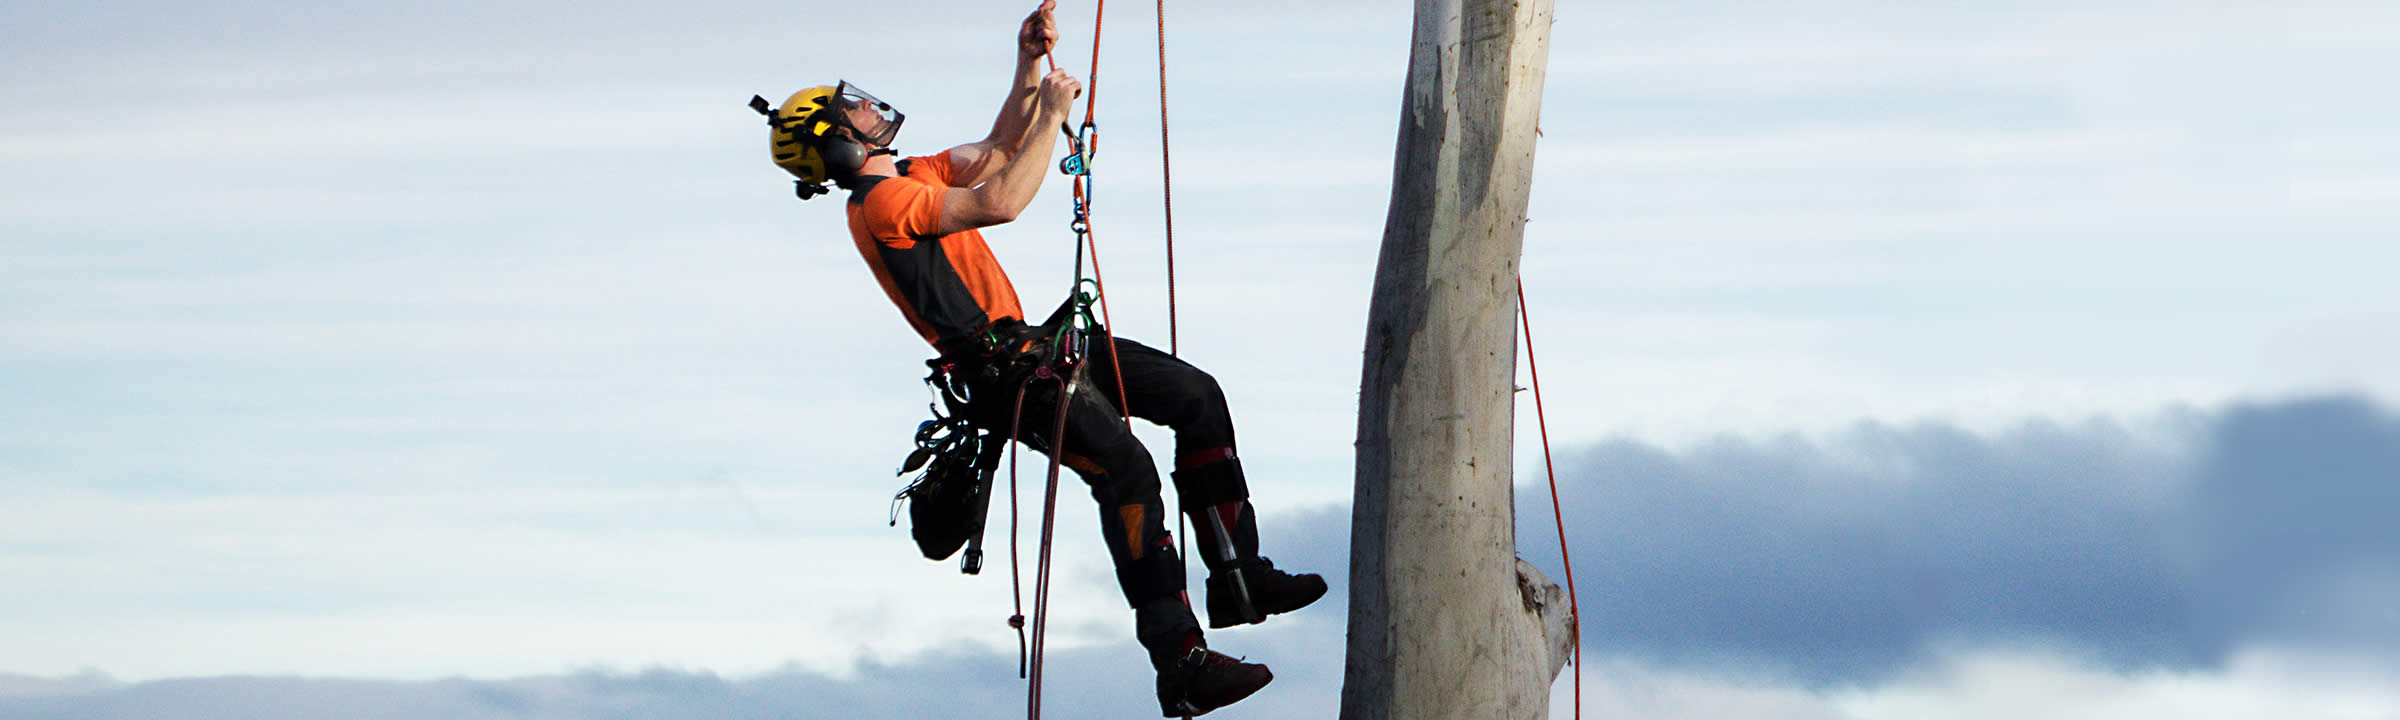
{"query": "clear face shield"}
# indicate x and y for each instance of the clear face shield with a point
(870, 120)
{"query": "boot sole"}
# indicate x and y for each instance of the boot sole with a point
(1190, 710)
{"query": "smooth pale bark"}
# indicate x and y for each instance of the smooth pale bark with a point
(1443, 622)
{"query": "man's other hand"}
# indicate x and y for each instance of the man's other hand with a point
(1060, 89)
(1039, 33)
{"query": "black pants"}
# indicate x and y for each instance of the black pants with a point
(1124, 478)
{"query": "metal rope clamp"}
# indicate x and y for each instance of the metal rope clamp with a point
(1081, 149)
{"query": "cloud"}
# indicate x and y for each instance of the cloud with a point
(30, 686)
(2216, 564)
(1847, 560)
(1082, 683)
(1099, 684)
(2289, 526)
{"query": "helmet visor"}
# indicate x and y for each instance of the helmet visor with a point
(870, 120)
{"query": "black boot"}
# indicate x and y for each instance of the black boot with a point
(1271, 592)
(1205, 680)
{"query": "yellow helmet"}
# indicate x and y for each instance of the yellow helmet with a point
(802, 140)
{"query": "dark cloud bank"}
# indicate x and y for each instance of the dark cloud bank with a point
(1842, 562)
(1825, 563)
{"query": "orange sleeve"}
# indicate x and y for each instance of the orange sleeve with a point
(899, 211)
(934, 169)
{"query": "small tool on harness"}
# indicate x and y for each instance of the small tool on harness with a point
(986, 461)
(949, 501)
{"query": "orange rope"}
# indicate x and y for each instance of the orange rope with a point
(1091, 100)
(1100, 284)
(1574, 607)
(1091, 83)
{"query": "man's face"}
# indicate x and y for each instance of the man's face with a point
(869, 121)
(864, 121)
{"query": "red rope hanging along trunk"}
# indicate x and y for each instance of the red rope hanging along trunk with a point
(1557, 513)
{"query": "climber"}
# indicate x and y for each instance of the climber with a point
(916, 222)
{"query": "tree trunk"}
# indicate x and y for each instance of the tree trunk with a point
(1442, 622)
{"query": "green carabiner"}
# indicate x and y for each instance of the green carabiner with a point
(1084, 300)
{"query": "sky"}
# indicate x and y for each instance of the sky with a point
(471, 360)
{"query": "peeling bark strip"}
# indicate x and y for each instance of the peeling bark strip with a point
(1443, 622)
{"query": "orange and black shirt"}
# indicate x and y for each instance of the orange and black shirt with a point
(948, 286)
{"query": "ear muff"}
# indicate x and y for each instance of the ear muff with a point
(843, 157)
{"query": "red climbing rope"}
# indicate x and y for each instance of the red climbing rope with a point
(1016, 588)
(1166, 169)
(1068, 375)
(1574, 607)
(1041, 579)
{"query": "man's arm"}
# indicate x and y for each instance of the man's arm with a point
(976, 162)
(1014, 181)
